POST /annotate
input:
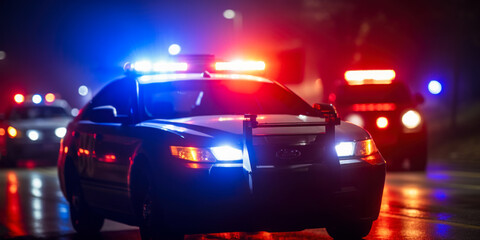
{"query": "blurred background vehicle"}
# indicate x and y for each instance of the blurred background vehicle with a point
(376, 101)
(33, 127)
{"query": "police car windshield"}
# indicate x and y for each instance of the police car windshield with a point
(33, 112)
(374, 93)
(219, 97)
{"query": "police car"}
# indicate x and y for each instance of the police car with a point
(33, 127)
(375, 100)
(176, 152)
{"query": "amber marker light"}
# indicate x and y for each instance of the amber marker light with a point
(12, 132)
(50, 97)
(192, 154)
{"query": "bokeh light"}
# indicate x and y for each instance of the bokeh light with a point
(382, 122)
(50, 97)
(229, 14)
(19, 98)
(74, 112)
(174, 49)
(434, 87)
(36, 98)
(83, 90)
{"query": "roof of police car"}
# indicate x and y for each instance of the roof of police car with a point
(173, 77)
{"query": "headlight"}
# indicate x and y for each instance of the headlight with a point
(227, 153)
(33, 135)
(345, 149)
(222, 153)
(357, 148)
(411, 119)
(60, 132)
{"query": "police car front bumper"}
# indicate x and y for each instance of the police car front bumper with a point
(219, 198)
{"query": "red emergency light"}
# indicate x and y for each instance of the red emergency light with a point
(19, 98)
(382, 122)
(361, 77)
(369, 107)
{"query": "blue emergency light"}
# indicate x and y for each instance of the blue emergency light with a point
(194, 63)
(434, 87)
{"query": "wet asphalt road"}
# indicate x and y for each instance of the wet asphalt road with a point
(438, 204)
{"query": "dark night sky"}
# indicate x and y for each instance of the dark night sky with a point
(59, 45)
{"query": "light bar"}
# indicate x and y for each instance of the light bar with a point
(369, 107)
(240, 66)
(360, 77)
(147, 66)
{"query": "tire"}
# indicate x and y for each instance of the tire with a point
(349, 229)
(149, 210)
(84, 220)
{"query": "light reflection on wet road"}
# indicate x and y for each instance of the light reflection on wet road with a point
(437, 205)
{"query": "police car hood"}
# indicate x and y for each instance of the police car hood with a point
(208, 126)
(41, 123)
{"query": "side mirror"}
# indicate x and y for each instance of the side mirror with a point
(106, 114)
(418, 99)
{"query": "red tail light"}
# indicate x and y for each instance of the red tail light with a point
(360, 77)
(382, 122)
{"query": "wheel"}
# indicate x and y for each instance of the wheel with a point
(84, 220)
(349, 229)
(149, 209)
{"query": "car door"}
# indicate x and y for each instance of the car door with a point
(108, 147)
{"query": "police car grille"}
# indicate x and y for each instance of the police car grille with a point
(288, 150)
